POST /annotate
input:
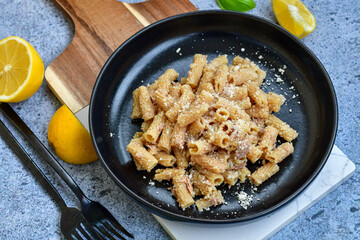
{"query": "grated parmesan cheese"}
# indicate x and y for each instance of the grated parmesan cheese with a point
(244, 199)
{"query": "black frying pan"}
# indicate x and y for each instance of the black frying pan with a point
(311, 106)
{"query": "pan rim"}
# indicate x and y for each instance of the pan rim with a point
(175, 216)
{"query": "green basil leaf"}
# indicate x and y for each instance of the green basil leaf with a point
(237, 5)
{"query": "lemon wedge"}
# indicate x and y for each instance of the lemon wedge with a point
(21, 70)
(294, 16)
(69, 139)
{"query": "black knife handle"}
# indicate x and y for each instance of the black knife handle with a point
(31, 165)
(12, 116)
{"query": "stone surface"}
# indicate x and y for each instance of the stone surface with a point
(27, 212)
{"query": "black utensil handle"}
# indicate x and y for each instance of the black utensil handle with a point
(12, 116)
(30, 164)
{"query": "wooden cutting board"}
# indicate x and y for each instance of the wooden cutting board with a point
(100, 27)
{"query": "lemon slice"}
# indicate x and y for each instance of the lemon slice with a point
(69, 139)
(294, 16)
(21, 70)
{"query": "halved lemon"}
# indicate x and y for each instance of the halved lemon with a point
(21, 70)
(294, 16)
(69, 139)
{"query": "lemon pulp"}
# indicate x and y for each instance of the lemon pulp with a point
(21, 70)
(294, 16)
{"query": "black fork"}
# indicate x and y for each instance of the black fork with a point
(95, 213)
(73, 224)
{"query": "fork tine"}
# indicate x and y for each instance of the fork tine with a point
(108, 226)
(76, 235)
(120, 228)
(84, 233)
(115, 224)
(105, 233)
(99, 233)
(87, 228)
(87, 231)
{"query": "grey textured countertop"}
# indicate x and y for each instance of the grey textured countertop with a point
(27, 212)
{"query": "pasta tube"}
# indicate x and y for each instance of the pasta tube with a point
(164, 141)
(186, 98)
(146, 106)
(183, 191)
(136, 111)
(168, 173)
(280, 153)
(141, 155)
(196, 70)
(285, 131)
(154, 131)
(263, 173)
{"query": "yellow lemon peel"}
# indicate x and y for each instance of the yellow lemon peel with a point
(294, 16)
(69, 139)
(21, 70)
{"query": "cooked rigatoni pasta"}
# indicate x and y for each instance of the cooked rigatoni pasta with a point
(187, 96)
(235, 93)
(211, 200)
(256, 94)
(220, 78)
(275, 101)
(165, 159)
(227, 127)
(214, 178)
(241, 76)
(200, 147)
(285, 131)
(196, 127)
(175, 91)
(163, 99)
(235, 112)
(155, 128)
(142, 157)
(209, 87)
(244, 173)
(183, 191)
(220, 139)
(202, 186)
(178, 136)
(280, 153)
(221, 114)
(268, 139)
(198, 108)
(254, 153)
(210, 69)
(165, 138)
(168, 173)
(196, 70)
(136, 111)
(231, 177)
(263, 173)
(205, 128)
(257, 111)
(244, 103)
(163, 82)
(210, 162)
(146, 106)
(181, 158)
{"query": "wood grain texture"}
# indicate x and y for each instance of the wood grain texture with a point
(100, 27)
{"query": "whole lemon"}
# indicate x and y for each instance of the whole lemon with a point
(69, 139)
